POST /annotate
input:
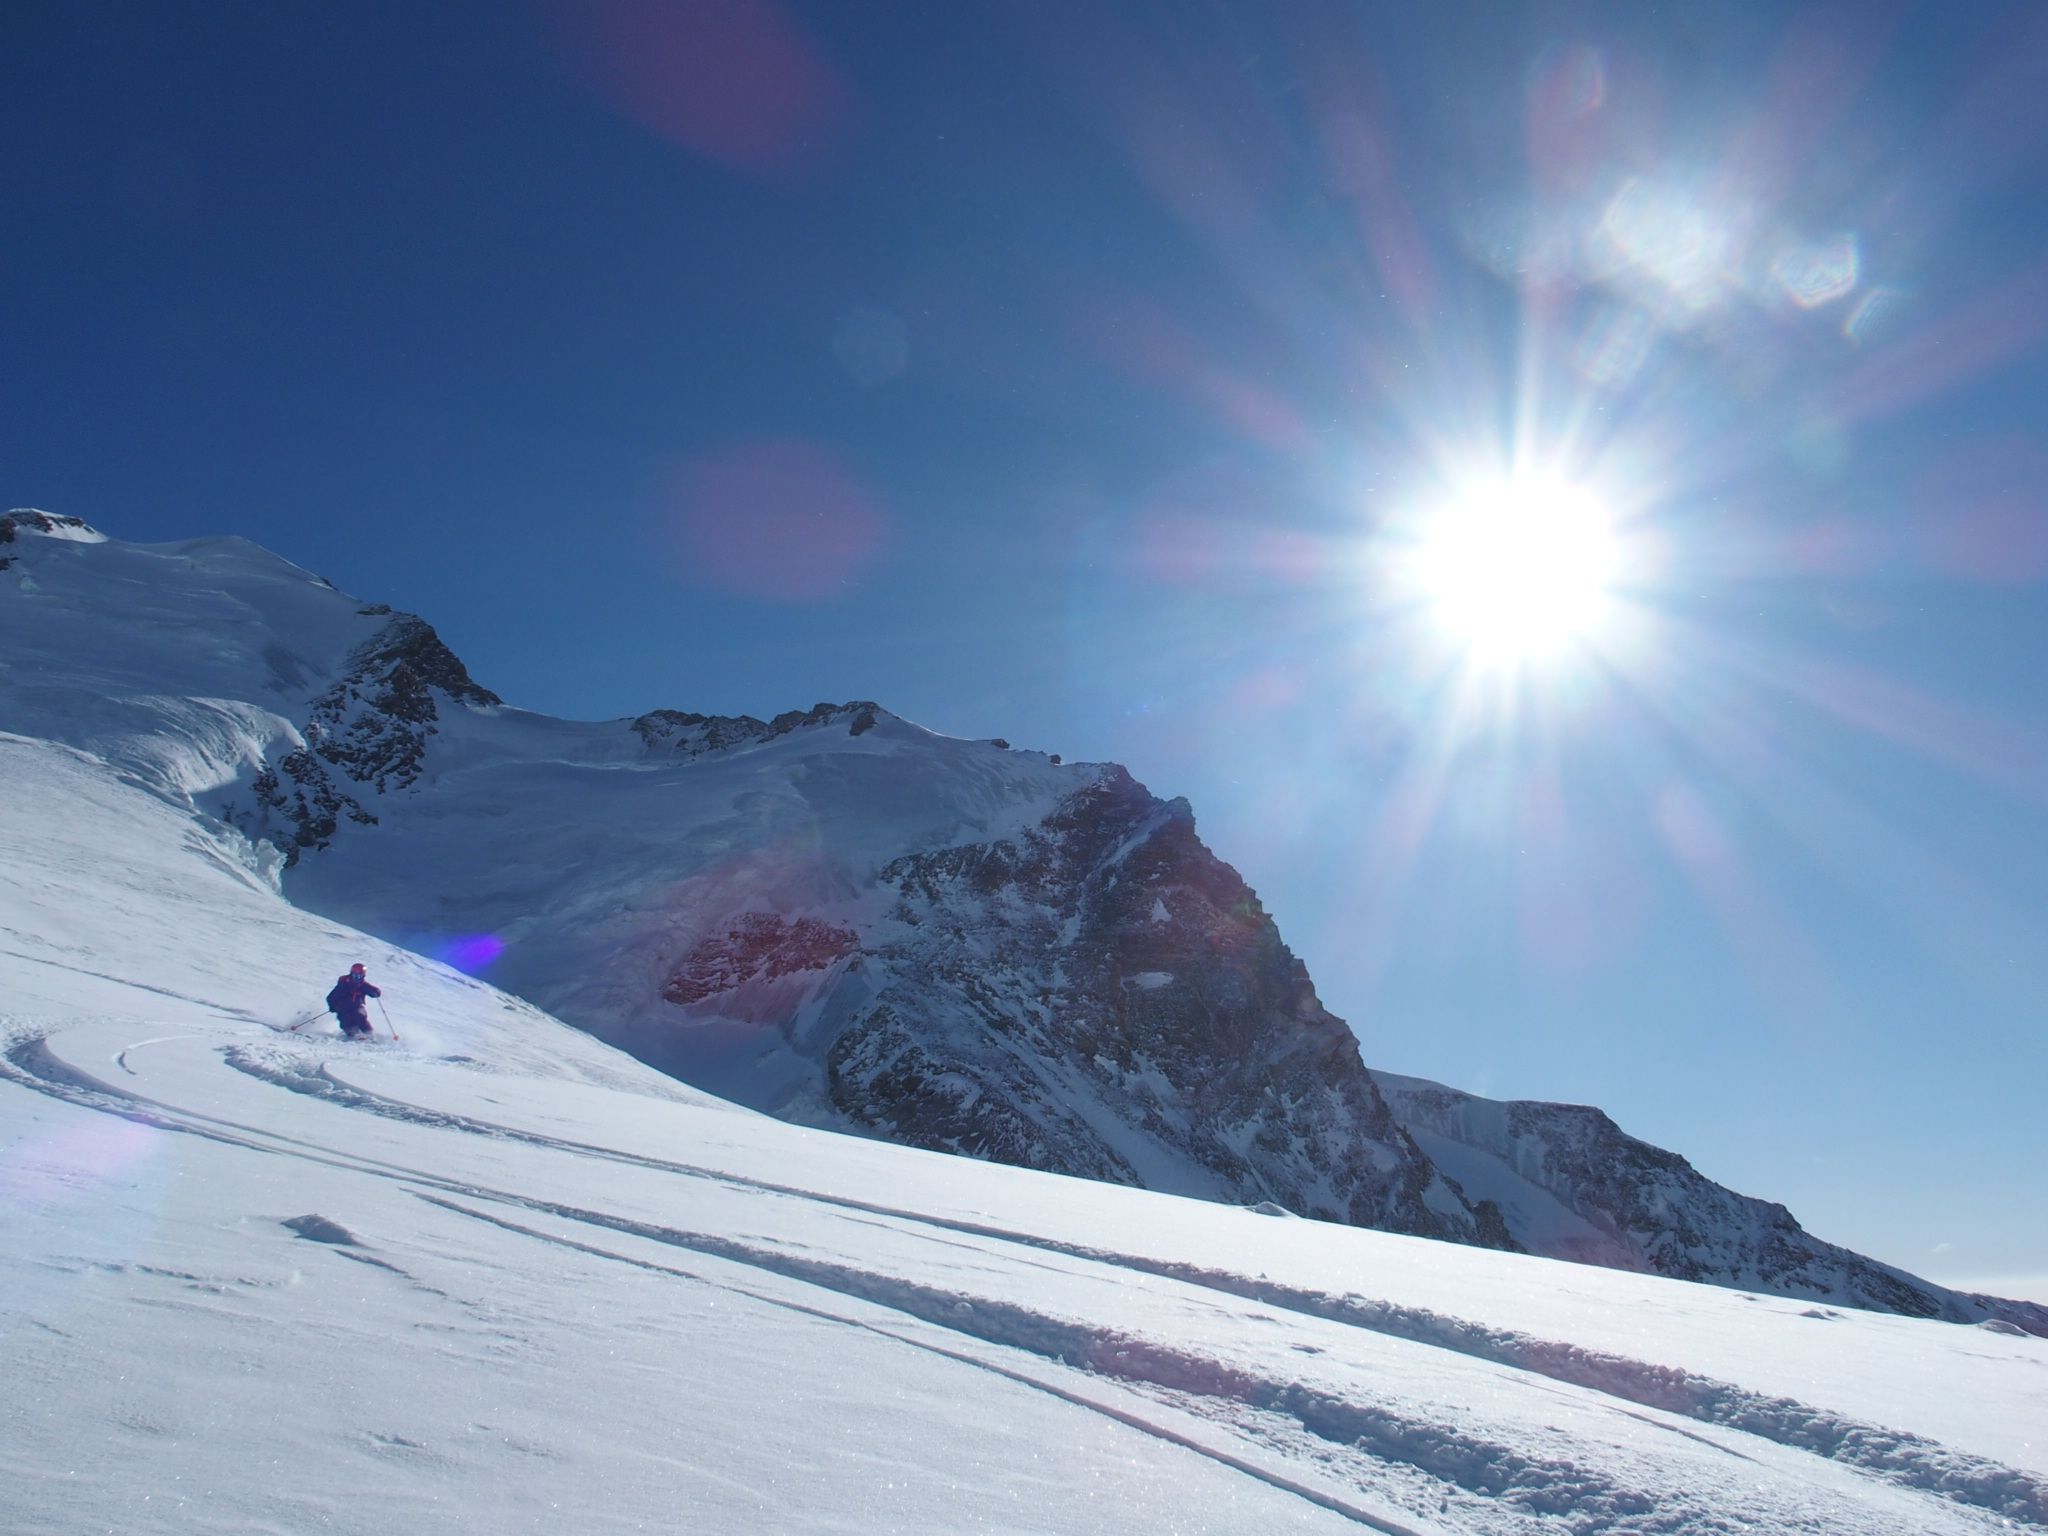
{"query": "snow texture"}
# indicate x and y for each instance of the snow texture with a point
(496, 1276)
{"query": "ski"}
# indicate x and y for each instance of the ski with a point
(296, 1025)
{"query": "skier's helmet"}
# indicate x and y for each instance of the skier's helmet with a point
(356, 969)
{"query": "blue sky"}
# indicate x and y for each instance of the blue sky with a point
(1085, 374)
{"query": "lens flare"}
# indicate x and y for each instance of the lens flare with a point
(778, 519)
(1816, 274)
(1674, 247)
(472, 953)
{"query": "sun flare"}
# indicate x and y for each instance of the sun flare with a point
(1518, 571)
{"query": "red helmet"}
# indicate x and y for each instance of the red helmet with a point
(356, 969)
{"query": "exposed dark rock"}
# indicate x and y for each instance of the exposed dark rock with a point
(685, 735)
(41, 522)
(367, 733)
(859, 715)
(374, 724)
(1648, 1209)
(1107, 968)
(757, 946)
(299, 791)
(691, 735)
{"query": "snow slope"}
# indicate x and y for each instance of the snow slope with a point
(834, 916)
(496, 1276)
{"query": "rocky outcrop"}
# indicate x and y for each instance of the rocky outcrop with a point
(300, 806)
(757, 946)
(375, 722)
(29, 520)
(678, 734)
(365, 735)
(1101, 995)
(33, 521)
(1571, 1184)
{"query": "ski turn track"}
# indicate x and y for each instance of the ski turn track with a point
(1349, 1432)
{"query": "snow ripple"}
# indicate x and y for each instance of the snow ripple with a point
(1898, 1457)
(1361, 1443)
(1357, 1441)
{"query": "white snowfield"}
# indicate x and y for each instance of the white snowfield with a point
(495, 1277)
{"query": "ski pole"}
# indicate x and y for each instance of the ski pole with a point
(387, 1018)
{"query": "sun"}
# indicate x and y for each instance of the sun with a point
(1519, 571)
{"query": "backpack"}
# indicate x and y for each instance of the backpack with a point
(341, 998)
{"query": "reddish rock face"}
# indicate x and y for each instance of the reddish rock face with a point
(758, 946)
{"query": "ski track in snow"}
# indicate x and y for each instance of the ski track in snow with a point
(1911, 1461)
(1353, 1443)
(901, 1297)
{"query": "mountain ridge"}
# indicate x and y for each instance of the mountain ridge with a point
(846, 920)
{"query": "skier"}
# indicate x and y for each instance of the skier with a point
(346, 1002)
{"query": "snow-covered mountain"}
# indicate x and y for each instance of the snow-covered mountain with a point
(496, 1275)
(1572, 1184)
(834, 916)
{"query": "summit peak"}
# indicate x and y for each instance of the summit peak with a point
(19, 520)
